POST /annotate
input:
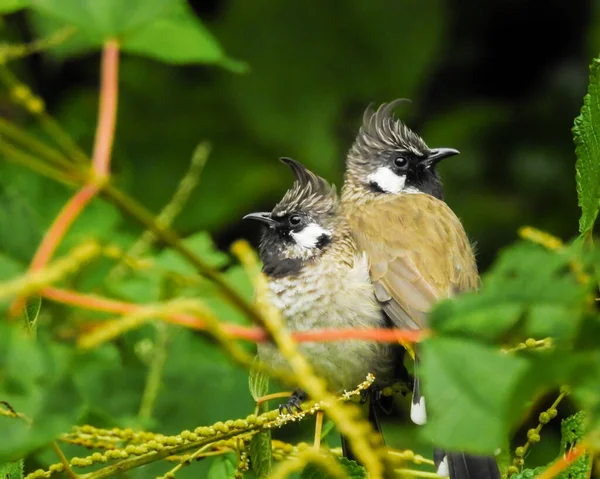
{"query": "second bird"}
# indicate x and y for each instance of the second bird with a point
(418, 250)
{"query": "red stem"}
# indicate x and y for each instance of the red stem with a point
(61, 225)
(253, 334)
(107, 109)
(564, 462)
(105, 130)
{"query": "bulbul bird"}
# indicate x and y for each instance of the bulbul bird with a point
(417, 248)
(319, 279)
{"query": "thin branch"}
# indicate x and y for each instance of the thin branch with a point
(254, 334)
(61, 225)
(139, 212)
(107, 111)
(64, 461)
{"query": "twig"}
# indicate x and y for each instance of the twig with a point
(34, 105)
(107, 111)
(11, 153)
(254, 334)
(64, 461)
(36, 146)
(155, 371)
(55, 234)
(34, 281)
(172, 209)
(167, 235)
(101, 163)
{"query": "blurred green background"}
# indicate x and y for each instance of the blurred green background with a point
(500, 80)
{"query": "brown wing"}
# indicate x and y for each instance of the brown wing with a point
(418, 252)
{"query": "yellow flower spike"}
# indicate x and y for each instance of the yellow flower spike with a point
(540, 237)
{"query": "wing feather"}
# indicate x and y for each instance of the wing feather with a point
(418, 252)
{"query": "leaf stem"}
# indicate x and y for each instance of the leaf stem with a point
(64, 461)
(36, 146)
(107, 111)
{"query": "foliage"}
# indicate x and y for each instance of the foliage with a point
(131, 345)
(587, 149)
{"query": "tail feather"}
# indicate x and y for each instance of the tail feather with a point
(458, 465)
(418, 411)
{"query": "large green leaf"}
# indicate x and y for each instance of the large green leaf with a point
(166, 30)
(261, 457)
(223, 467)
(529, 292)
(36, 381)
(470, 390)
(586, 133)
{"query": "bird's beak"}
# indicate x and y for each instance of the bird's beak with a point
(264, 217)
(439, 154)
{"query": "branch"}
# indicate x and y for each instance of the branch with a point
(107, 111)
(101, 161)
(254, 334)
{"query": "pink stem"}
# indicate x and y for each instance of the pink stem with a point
(254, 334)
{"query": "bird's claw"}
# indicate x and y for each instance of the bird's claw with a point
(292, 403)
(374, 393)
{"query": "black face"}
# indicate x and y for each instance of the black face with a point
(409, 172)
(287, 242)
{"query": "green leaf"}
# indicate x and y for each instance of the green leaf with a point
(258, 381)
(36, 381)
(353, 470)
(179, 38)
(586, 134)
(10, 6)
(529, 292)
(20, 228)
(473, 393)
(261, 454)
(202, 245)
(223, 467)
(12, 470)
(166, 30)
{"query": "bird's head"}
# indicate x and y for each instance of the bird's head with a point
(388, 157)
(302, 225)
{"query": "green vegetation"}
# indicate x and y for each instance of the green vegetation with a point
(125, 347)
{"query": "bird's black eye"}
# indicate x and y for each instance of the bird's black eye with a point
(295, 220)
(400, 162)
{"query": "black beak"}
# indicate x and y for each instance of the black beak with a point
(438, 154)
(264, 217)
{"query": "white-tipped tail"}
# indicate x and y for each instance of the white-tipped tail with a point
(443, 470)
(418, 413)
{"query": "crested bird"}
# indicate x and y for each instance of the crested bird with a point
(318, 279)
(417, 248)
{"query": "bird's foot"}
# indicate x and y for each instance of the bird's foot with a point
(294, 402)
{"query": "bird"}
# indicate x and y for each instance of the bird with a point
(418, 250)
(318, 279)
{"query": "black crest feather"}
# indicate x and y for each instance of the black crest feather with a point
(381, 130)
(309, 192)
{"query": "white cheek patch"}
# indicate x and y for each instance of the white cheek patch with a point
(387, 180)
(309, 236)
